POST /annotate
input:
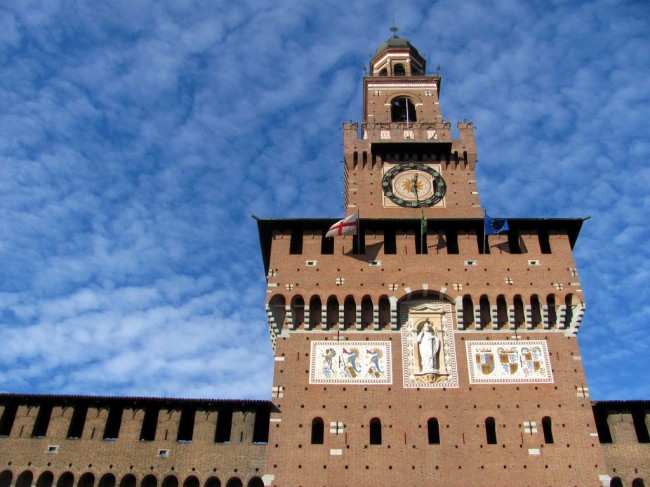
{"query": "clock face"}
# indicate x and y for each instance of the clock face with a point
(413, 185)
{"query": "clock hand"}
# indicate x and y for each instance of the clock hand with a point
(415, 189)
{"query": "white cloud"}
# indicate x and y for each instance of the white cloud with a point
(139, 137)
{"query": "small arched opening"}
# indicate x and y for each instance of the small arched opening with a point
(65, 480)
(315, 311)
(433, 430)
(490, 431)
(86, 480)
(552, 310)
(468, 311)
(128, 481)
(46, 479)
(25, 479)
(398, 70)
(402, 110)
(535, 312)
(298, 311)
(332, 311)
(107, 480)
(366, 312)
(317, 431)
(484, 303)
(547, 426)
(384, 312)
(520, 318)
(349, 312)
(375, 431)
(502, 311)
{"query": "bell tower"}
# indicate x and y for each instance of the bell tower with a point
(403, 157)
(421, 351)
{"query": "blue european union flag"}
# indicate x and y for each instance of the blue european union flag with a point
(494, 226)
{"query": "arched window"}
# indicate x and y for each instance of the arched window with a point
(519, 311)
(548, 429)
(402, 110)
(128, 481)
(315, 311)
(234, 482)
(502, 311)
(638, 483)
(86, 480)
(616, 482)
(350, 313)
(46, 479)
(317, 431)
(398, 70)
(191, 481)
(535, 311)
(485, 311)
(383, 72)
(552, 310)
(5, 478)
(149, 481)
(170, 481)
(25, 479)
(491, 431)
(568, 317)
(107, 480)
(434, 431)
(468, 311)
(375, 431)
(213, 482)
(332, 311)
(65, 480)
(366, 312)
(256, 482)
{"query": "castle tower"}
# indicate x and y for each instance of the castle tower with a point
(423, 353)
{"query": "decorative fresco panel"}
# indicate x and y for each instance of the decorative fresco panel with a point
(508, 362)
(428, 350)
(346, 362)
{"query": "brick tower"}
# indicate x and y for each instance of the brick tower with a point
(420, 351)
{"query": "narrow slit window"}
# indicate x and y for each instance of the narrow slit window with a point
(375, 431)
(547, 426)
(433, 431)
(77, 422)
(491, 431)
(149, 424)
(224, 426)
(42, 421)
(317, 431)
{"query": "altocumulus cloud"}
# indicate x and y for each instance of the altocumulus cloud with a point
(139, 137)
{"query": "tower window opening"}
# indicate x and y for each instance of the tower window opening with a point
(452, 241)
(548, 430)
(638, 483)
(513, 242)
(317, 431)
(113, 423)
(295, 246)
(383, 72)
(552, 311)
(149, 424)
(535, 311)
(375, 431)
(640, 427)
(544, 241)
(402, 110)
(433, 431)
(77, 422)
(398, 70)
(359, 241)
(616, 482)
(224, 426)
(186, 425)
(8, 418)
(326, 244)
(490, 431)
(261, 426)
(390, 241)
(42, 421)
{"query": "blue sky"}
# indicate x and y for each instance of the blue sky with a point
(137, 138)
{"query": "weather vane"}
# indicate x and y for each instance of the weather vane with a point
(394, 28)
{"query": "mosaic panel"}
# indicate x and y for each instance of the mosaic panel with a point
(428, 350)
(346, 362)
(508, 362)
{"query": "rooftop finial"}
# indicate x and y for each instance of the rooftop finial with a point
(394, 29)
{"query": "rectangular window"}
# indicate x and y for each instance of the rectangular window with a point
(77, 422)
(186, 424)
(544, 241)
(452, 240)
(8, 418)
(42, 421)
(149, 424)
(113, 423)
(261, 426)
(326, 244)
(390, 241)
(224, 426)
(295, 246)
(513, 242)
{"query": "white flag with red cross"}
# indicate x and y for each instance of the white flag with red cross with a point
(347, 226)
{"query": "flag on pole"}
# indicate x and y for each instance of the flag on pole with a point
(347, 226)
(494, 226)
